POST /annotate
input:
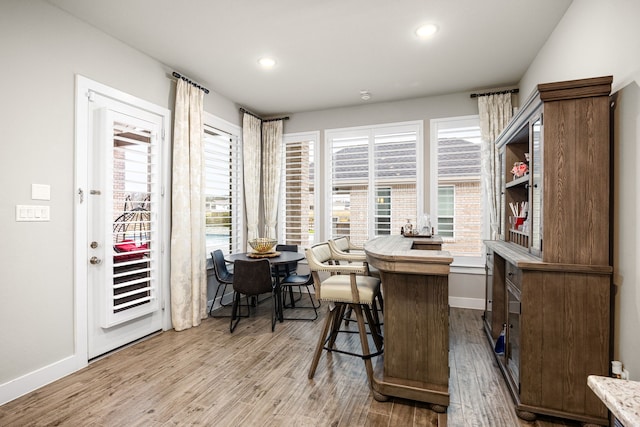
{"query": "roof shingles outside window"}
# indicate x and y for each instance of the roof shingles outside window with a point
(458, 158)
(352, 163)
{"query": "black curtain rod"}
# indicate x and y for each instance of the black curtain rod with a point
(180, 76)
(260, 118)
(475, 95)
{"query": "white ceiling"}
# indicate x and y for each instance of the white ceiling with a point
(330, 50)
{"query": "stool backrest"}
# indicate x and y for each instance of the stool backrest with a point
(342, 243)
(317, 255)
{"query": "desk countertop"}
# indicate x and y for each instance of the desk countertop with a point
(621, 397)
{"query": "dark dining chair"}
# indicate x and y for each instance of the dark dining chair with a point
(251, 278)
(291, 279)
(223, 276)
(290, 267)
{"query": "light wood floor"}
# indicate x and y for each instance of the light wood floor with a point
(207, 376)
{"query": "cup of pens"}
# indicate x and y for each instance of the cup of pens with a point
(516, 222)
(519, 211)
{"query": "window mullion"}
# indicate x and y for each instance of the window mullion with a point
(371, 188)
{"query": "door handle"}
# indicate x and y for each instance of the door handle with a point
(95, 260)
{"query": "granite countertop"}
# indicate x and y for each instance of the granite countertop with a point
(622, 397)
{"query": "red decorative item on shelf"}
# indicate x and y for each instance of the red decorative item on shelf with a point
(519, 169)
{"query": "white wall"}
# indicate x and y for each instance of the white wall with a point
(626, 251)
(594, 38)
(598, 38)
(42, 48)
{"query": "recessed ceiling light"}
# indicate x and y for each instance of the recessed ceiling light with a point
(266, 62)
(365, 95)
(426, 31)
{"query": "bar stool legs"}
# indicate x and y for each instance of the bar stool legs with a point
(364, 341)
(331, 328)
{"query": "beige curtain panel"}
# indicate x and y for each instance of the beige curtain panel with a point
(251, 154)
(271, 173)
(495, 112)
(188, 269)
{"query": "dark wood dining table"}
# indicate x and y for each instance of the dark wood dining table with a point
(277, 262)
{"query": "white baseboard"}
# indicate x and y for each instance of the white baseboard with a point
(471, 303)
(34, 380)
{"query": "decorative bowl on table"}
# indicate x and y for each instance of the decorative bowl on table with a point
(263, 245)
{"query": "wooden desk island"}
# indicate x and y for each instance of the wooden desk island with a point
(415, 285)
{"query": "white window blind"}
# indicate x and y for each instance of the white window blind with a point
(297, 200)
(369, 168)
(456, 181)
(350, 187)
(223, 200)
(396, 159)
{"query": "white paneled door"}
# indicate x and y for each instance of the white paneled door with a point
(123, 199)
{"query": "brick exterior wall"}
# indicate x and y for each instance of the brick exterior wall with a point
(353, 222)
(467, 220)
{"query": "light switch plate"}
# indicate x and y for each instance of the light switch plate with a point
(32, 213)
(40, 192)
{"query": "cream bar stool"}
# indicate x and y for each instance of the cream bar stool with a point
(344, 244)
(347, 286)
(343, 251)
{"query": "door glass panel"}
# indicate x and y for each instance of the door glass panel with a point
(536, 191)
(131, 291)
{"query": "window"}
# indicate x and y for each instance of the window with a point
(368, 167)
(297, 214)
(223, 197)
(456, 176)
